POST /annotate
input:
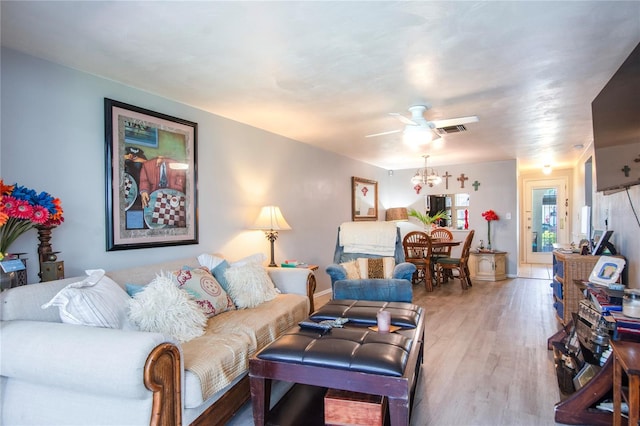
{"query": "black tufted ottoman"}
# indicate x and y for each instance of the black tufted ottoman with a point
(354, 358)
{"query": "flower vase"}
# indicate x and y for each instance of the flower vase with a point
(488, 235)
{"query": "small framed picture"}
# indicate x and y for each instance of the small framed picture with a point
(607, 270)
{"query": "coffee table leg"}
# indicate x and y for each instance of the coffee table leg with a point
(260, 399)
(399, 412)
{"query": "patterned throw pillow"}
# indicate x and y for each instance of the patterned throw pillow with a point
(376, 268)
(353, 272)
(205, 289)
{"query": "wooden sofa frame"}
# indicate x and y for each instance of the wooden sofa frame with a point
(162, 376)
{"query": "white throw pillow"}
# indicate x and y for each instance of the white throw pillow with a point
(209, 260)
(164, 308)
(249, 285)
(96, 301)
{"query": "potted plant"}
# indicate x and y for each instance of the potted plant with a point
(427, 220)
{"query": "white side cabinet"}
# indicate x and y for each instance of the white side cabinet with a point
(488, 266)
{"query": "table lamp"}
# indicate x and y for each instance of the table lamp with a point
(270, 220)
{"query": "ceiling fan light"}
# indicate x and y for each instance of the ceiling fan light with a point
(416, 135)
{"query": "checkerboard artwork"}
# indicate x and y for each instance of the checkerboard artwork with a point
(169, 210)
(126, 185)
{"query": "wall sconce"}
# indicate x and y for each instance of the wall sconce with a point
(396, 214)
(270, 220)
(546, 169)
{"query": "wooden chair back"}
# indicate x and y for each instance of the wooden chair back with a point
(442, 234)
(417, 245)
(417, 250)
(466, 248)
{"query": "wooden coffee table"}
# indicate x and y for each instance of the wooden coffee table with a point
(289, 359)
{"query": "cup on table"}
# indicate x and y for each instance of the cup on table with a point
(384, 321)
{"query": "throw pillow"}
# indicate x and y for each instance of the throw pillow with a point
(250, 285)
(204, 288)
(219, 273)
(353, 272)
(96, 301)
(161, 307)
(209, 260)
(376, 268)
(133, 289)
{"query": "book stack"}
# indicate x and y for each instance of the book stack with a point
(626, 328)
(604, 300)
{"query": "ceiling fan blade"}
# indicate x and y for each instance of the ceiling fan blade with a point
(403, 119)
(455, 121)
(383, 133)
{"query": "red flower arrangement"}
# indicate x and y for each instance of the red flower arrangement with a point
(489, 215)
(22, 209)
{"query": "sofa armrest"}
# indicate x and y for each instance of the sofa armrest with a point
(78, 358)
(336, 272)
(294, 280)
(404, 271)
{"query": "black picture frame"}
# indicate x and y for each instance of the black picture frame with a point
(601, 243)
(147, 152)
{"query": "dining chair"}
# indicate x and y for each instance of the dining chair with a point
(418, 250)
(461, 264)
(441, 234)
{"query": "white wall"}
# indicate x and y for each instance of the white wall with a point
(620, 210)
(497, 191)
(52, 139)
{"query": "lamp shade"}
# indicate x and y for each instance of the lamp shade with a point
(271, 219)
(396, 214)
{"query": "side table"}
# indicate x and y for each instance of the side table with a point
(488, 266)
(626, 359)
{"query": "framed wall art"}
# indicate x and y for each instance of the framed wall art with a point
(151, 175)
(364, 199)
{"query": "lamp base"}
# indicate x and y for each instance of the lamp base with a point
(272, 236)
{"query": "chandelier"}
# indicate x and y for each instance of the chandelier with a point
(424, 177)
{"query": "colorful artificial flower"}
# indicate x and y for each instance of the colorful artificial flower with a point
(22, 209)
(489, 216)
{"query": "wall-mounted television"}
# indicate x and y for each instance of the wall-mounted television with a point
(616, 128)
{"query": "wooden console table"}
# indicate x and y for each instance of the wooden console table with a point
(626, 361)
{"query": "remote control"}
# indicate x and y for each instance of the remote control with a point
(314, 326)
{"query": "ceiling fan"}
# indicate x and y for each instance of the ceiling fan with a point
(418, 124)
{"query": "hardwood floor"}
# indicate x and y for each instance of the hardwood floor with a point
(486, 359)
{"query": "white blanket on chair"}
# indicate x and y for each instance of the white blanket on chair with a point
(377, 238)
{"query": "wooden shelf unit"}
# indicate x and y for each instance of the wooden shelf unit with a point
(567, 268)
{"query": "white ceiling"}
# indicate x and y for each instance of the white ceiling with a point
(328, 73)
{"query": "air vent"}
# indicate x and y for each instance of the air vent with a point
(451, 129)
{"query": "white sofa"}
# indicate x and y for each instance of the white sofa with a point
(54, 373)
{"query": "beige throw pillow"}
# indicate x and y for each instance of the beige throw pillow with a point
(353, 272)
(376, 268)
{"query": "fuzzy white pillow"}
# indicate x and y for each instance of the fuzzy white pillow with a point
(164, 308)
(249, 285)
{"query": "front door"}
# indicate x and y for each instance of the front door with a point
(546, 218)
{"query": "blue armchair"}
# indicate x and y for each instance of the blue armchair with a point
(396, 289)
